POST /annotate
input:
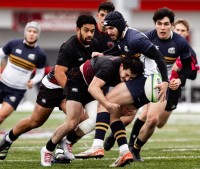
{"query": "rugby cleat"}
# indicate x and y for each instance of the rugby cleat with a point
(46, 157)
(60, 158)
(67, 148)
(91, 153)
(123, 160)
(4, 147)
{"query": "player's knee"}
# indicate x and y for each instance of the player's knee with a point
(152, 122)
(71, 124)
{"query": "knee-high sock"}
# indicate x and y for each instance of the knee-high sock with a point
(102, 124)
(135, 131)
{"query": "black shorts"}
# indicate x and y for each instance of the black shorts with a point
(10, 95)
(76, 88)
(50, 98)
(136, 88)
(172, 100)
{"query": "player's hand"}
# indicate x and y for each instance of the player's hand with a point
(29, 84)
(163, 89)
(174, 84)
(112, 107)
(96, 54)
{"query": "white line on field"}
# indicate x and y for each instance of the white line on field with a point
(145, 158)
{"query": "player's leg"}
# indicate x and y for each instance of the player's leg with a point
(87, 124)
(10, 99)
(139, 122)
(148, 128)
(110, 140)
(5, 111)
(119, 94)
(73, 109)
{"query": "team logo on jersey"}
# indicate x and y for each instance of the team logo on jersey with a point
(126, 48)
(75, 90)
(31, 56)
(110, 44)
(157, 47)
(80, 59)
(19, 51)
(171, 50)
(43, 100)
(12, 98)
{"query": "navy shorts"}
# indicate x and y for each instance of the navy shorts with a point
(50, 98)
(136, 88)
(172, 99)
(10, 95)
(76, 88)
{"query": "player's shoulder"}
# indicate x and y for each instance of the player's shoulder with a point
(135, 34)
(179, 39)
(15, 42)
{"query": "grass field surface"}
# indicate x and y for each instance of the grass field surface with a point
(176, 146)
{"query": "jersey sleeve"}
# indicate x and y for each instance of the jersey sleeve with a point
(65, 55)
(140, 42)
(106, 72)
(41, 60)
(8, 47)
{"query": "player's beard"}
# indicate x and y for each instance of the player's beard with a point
(84, 41)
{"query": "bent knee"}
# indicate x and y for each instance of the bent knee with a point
(152, 122)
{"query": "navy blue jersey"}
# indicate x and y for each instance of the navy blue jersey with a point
(136, 44)
(25, 56)
(22, 59)
(72, 53)
(172, 48)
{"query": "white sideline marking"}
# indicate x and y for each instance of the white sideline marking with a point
(147, 158)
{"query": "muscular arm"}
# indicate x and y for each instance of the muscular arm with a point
(60, 75)
(95, 90)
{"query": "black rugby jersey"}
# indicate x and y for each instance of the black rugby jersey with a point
(105, 68)
(104, 40)
(72, 53)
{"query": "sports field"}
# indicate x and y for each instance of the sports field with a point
(176, 146)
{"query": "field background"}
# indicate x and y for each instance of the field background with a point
(176, 146)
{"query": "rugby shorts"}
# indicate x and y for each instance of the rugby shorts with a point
(76, 88)
(10, 95)
(136, 88)
(50, 98)
(172, 100)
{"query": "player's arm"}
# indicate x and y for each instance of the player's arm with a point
(39, 74)
(60, 75)
(186, 70)
(95, 90)
(154, 54)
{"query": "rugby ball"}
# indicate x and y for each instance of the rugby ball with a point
(150, 91)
